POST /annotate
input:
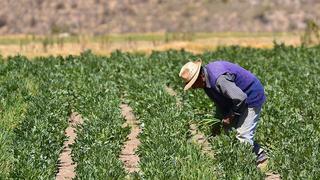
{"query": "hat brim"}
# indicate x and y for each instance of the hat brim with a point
(195, 77)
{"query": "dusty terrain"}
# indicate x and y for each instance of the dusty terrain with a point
(128, 154)
(121, 16)
(66, 166)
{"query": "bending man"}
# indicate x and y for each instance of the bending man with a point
(236, 92)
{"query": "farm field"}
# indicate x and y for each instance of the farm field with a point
(38, 95)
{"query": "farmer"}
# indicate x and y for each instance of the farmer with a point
(237, 93)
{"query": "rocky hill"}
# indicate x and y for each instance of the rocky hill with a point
(122, 16)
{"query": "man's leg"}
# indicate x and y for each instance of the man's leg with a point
(246, 127)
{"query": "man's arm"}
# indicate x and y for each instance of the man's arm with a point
(225, 85)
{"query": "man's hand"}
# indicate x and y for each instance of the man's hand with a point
(226, 121)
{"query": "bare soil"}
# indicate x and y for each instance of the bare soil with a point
(272, 176)
(171, 92)
(66, 166)
(128, 154)
(199, 138)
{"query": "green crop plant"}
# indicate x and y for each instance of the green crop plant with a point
(17, 86)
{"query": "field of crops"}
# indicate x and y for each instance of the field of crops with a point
(37, 96)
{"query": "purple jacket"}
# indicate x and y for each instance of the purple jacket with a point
(245, 80)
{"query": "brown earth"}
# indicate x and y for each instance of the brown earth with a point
(199, 138)
(171, 92)
(66, 166)
(272, 176)
(128, 154)
(122, 16)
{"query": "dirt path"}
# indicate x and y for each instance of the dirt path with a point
(66, 166)
(272, 176)
(200, 139)
(171, 92)
(269, 175)
(128, 156)
(197, 137)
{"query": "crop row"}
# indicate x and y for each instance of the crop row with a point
(101, 136)
(36, 110)
(15, 90)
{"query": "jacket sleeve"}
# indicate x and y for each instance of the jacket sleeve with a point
(226, 86)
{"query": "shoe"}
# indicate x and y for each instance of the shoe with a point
(261, 157)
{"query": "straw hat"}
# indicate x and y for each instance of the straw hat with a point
(190, 72)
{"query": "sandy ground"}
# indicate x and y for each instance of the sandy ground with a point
(66, 166)
(128, 154)
(199, 138)
(272, 176)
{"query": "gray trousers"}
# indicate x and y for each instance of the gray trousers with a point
(246, 126)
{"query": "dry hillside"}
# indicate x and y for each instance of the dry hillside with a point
(118, 16)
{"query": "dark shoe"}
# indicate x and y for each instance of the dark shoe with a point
(261, 157)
